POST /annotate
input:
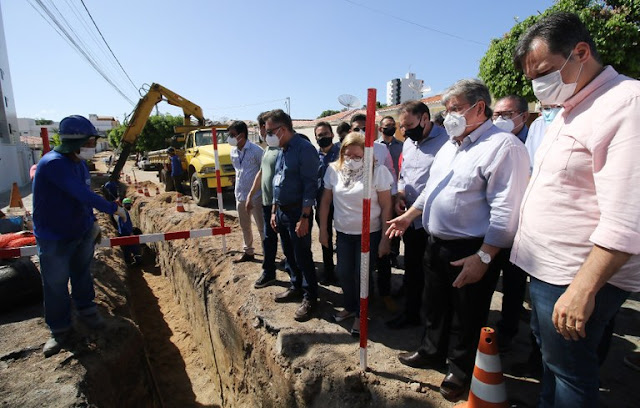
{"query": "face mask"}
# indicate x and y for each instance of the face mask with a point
(506, 125)
(325, 142)
(87, 153)
(352, 164)
(232, 141)
(390, 131)
(415, 134)
(456, 123)
(273, 141)
(549, 114)
(551, 90)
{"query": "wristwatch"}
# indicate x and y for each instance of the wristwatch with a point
(484, 257)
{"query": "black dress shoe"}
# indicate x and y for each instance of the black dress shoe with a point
(289, 295)
(418, 360)
(452, 387)
(264, 280)
(402, 321)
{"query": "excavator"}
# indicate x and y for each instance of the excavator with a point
(155, 94)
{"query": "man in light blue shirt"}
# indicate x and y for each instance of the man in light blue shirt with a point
(246, 157)
(423, 140)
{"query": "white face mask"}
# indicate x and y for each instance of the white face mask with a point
(506, 125)
(353, 165)
(456, 123)
(272, 141)
(232, 141)
(551, 90)
(87, 153)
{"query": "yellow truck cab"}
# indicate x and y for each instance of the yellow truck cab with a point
(198, 162)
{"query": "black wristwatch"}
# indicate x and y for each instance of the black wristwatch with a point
(305, 215)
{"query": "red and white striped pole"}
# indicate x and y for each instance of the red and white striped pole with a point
(366, 223)
(214, 136)
(127, 240)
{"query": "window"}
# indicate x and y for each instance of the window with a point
(6, 102)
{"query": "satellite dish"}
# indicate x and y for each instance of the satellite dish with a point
(349, 101)
(418, 85)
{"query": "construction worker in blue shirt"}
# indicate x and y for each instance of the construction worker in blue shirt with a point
(66, 231)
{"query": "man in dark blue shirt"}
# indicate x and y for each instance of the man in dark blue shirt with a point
(131, 253)
(176, 169)
(328, 152)
(295, 186)
(66, 231)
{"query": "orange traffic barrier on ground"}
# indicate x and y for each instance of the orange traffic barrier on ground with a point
(488, 389)
(179, 205)
(16, 199)
(139, 188)
(146, 191)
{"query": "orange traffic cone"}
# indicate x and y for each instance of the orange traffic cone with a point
(139, 187)
(146, 191)
(179, 205)
(128, 179)
(16, 200)
(487, 385)
(157, 190)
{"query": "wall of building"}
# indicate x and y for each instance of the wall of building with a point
(9, 132)
(15, 161)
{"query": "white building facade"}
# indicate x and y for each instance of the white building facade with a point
(15, 157)
(401, 90)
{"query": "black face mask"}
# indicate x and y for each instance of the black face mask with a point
(325, 142)
(414, 134)
(390, 131)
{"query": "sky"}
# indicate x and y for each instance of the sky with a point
(237, 58)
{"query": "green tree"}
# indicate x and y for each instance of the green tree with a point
(41, 121)
(613, 24)
(327, 112)
(154, 134)
(55, 140)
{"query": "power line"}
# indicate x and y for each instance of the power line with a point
(107, 44)
(386, 14)
(68, 34)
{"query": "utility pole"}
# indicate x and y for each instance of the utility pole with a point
(288, 105)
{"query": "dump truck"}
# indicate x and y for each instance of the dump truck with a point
(198, 163)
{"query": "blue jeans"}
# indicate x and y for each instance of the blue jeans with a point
(269, 244)
(60, 261)
(349, 250)
(570, 376)
(298, 249)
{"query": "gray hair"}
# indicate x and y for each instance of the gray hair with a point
(473, 91)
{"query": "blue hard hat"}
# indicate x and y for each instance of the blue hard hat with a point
(76, 125)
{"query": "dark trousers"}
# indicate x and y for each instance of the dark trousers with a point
(455, 316)
(177, 183)
(415, 243)
(327, 252)
(269, 244)
(299, 249)
(514, 286)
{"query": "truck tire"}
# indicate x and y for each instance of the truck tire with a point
(166, 178)
(199, 190)
(20, 284)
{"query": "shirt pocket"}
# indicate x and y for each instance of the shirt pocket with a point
(558, 154)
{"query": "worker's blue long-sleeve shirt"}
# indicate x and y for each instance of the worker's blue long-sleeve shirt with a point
(295, 181)
(63, 202)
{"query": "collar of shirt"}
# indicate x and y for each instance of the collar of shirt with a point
(294, 141)
(473, 136)
(607, 74)
(522, 134)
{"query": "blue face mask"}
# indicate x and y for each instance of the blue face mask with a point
(550, 113)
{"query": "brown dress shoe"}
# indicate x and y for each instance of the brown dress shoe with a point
(305, 311)
(452, 387)
(244, 258)
(289, 295)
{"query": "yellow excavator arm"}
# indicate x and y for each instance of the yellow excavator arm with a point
(155, 94)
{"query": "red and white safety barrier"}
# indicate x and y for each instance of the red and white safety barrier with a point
(366, 223)
(214, 136)
(129, 240)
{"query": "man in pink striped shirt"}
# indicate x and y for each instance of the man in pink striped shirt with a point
(579, 228)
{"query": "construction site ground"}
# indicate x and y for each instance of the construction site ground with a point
(187, 329)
